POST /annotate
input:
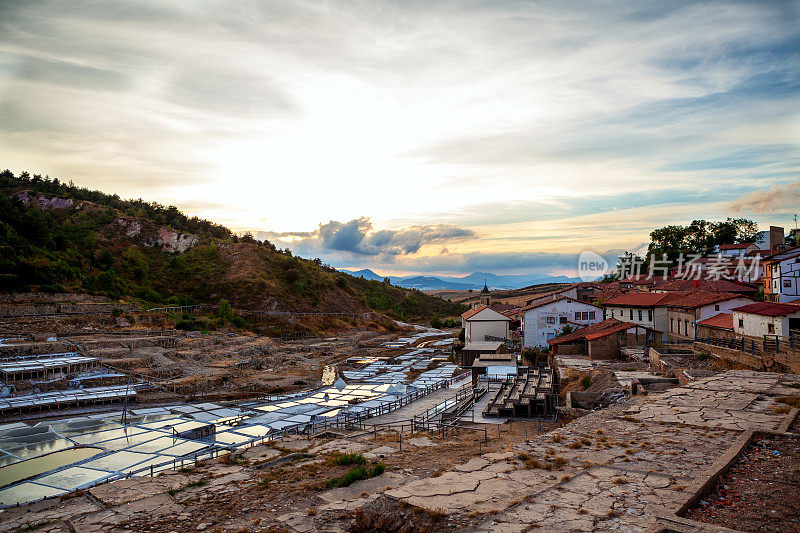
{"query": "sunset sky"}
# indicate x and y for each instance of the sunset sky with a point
(415, 137)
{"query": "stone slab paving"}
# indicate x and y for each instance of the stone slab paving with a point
(614, 469)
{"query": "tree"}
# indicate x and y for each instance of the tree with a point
(700, 237)
(225, 311)
(565, 330)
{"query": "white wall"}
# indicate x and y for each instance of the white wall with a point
(486, 322)
(537, 330)
(477, 330)
(724, 307)
(656, 318)
(758, 325)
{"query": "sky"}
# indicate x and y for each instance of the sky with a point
(415, 137)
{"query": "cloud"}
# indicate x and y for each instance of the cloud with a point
(358, 236)
(769, 200)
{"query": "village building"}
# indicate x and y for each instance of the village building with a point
(493, 365)
(781, 272)
(712, 285)
(771, 239)
(684, 312)
(546, 319)
(570, 292)
(473, 350)
(483, 321)
(719, 326)
(647, 309)
(604, 339)
(736, 250)
(766, 318)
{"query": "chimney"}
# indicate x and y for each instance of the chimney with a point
(776, 237)
(697, 283)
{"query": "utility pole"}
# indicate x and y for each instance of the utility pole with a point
(796, 236)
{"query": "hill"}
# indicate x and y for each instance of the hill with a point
(57, 237)
(472, 281)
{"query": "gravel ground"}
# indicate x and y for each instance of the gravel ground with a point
(759, 492)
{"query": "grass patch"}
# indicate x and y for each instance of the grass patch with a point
(347, 459)
(356, 474)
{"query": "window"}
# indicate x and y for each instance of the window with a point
(640, 315)
(770, 328)
(591, 315)
(563, 320)
(787, 283)
(716, 307)
(672, 324)
(631, 313)
(650, 315)
(741, 323)
(585, 315)
(685, 327)
(578, 316)
(551, 320)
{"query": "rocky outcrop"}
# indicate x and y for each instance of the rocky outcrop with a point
(151, 235)
(50, 202)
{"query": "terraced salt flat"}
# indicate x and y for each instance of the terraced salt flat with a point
(57, 457)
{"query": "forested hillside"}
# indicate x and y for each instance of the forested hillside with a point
(57, 237)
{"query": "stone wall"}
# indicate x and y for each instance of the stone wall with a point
(736, 356)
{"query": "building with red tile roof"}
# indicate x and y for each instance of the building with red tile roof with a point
(723, 321)
(767, 318)
(604, 339)
(687, 309)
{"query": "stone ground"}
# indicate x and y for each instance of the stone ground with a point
(614, 469)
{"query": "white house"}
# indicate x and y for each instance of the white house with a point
(481, 321)
(782, 275)
(545, 318)
(736, 250)
(766, 318)
(684, 311)
(649, 309)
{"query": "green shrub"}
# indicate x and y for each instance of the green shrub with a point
(347, 459)
(377, 470)
(585, 382)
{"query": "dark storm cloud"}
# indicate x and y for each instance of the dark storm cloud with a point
(358, 236)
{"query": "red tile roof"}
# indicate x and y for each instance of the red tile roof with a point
(640, 299)
(475, 310)
(722, 285)
(695, 299)
(768, 309)
(720, 321)
(739, 246)
(607, 327)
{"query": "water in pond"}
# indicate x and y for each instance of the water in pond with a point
(38, 465)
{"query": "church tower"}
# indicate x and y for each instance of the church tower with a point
(486, 297)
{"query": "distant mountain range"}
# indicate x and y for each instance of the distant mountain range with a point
(472, 281)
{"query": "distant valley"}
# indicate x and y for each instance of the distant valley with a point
(472, 281)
